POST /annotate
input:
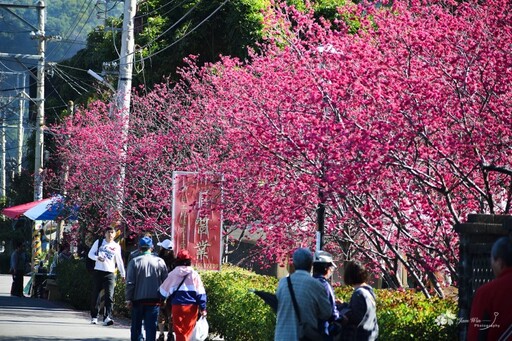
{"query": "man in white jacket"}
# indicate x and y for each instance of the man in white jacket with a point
(107, 257)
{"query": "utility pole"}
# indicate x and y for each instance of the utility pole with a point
(21, 132)
(124, 88)
(3, 181)
(38, 33)
(39, 146)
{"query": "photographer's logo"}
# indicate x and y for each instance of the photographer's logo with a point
(449, 318)
(485, 324)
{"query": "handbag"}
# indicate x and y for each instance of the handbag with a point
(306, 331)
(200, 332)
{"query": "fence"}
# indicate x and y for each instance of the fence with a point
(476, 238)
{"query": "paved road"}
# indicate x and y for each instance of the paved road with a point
(29, 319)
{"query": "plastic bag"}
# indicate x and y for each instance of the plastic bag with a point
(28, 287)
(200, 332)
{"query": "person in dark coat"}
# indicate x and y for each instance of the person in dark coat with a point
(17, 269)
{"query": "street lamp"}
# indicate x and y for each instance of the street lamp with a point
(101, 79)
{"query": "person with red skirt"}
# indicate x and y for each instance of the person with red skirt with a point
(185, 289)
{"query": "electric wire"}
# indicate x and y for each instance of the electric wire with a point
(54, 90)
(187, 33)
(114, 38)
(167, 30)
(85, 83)
(86, 86)
(73, 84)
(71, 31)
(157, 10)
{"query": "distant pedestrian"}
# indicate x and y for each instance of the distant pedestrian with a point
(165, 316)
(145, 274)
(310, 295)
(107, 256)
(185, 289)
(17, 269)
(491, 309)
(359, 315)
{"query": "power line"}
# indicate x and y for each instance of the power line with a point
(171, 27)
(71, 29)
(186, 34)
(157, 10)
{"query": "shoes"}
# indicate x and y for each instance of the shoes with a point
(94, 320)
(108, 321)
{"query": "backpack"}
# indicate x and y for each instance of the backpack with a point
(89, 263)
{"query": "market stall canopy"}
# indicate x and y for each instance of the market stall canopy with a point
(47, 209)
(15, 212)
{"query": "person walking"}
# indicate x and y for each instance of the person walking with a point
(359, 315)
(165, 316)
(144, 276)
(185, 290)
(491, 309)
(323, 268)
(17, 269)
(310, 299)
(107, 257)
(136, 252)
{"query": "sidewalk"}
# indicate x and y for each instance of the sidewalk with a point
(29, 319)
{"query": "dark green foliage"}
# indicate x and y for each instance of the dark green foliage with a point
(233, 311)
(120, 308)
(5, 261)
(75, 286)
(75, 283)
(408, 315)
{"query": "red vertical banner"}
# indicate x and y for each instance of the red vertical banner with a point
(197, 218)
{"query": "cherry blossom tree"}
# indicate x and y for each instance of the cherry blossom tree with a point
(398, 129)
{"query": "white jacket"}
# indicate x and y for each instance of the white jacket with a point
(111, 252)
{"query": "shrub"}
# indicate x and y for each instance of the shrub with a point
(75, 283)
(75, 286)
(233, 311)
(408, 315)
(120, 308)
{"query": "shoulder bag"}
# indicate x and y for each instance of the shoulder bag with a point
(306, 331)
(90, 263)
(179, 286)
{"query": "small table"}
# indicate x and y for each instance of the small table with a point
(38, 288)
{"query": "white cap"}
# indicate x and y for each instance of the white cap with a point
(323, 257)
(166, 244)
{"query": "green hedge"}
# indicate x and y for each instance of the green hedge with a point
(233, 311)
(75, 283)
(408, 315)
(75, 286)
(237, 314)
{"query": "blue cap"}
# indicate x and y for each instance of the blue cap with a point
(302, 259)
(146, 242)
